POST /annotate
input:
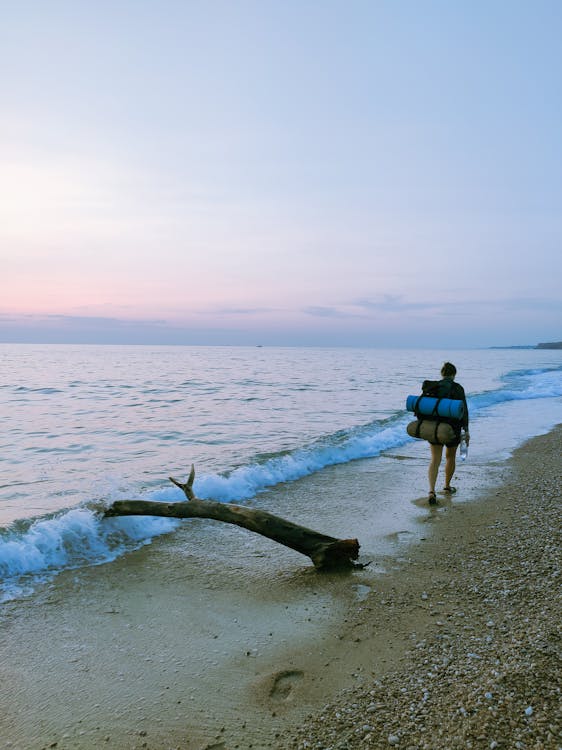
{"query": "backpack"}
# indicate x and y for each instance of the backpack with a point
(437, 388)
(432, 427)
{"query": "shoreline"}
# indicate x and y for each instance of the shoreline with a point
(477, 607)
(116, 656)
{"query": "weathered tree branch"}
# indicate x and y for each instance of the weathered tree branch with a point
(324, 551)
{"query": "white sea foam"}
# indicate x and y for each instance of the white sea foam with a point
(71, 539)
(521, 385)
(244, 482)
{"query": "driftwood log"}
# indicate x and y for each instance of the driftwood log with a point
(324, 551)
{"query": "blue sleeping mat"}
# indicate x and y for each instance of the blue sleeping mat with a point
(436, 407)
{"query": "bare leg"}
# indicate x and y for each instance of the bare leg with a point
(450, 464)
(436, 454)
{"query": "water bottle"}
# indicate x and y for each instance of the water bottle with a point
(463, 447)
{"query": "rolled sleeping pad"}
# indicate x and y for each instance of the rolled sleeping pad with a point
(451, 408)
(438, 433)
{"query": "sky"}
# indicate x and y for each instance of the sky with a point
(281, 172)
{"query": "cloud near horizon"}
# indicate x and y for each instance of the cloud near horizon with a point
(394, 322)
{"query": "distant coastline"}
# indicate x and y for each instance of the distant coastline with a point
(546, 345)
(550, 345)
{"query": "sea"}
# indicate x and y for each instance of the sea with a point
(83, 426)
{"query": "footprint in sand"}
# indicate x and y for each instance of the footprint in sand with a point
(284, 683)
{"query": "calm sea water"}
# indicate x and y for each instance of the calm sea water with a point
(85, 425)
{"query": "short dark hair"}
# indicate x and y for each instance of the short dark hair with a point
(448, 370)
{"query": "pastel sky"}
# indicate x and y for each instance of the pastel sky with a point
(358, 172)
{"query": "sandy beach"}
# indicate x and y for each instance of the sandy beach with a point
(454, 642)
(473, 625)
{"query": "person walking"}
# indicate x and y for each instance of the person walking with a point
(447, 388)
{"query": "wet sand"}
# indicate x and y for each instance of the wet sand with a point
(175, 647)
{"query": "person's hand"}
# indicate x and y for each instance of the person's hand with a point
(467, 438)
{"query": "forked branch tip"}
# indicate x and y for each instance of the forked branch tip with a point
(186, 487)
